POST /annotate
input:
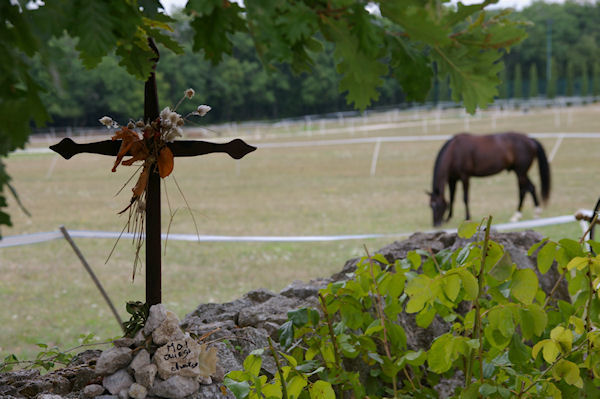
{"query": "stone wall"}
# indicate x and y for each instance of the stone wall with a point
(236, 328)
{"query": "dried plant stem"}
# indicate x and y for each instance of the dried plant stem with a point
(188, 206)
(92, 275)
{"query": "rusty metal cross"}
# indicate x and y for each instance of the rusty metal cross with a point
(184, 148)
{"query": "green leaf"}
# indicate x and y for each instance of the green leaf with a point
(291, 359)
(469, 284)
(361, 73)
(578, 323)
(486, 390)
(503, 268)
(441, 354)
(321, 390)
(396, 335)
(295, 385)
(425, 317)
(569, 372)
(240, 389)
(412, 69)
(213, 27)
(524, 285)
(252, 364)
(327, 352)
(467, 229)
(471, 391)
(536, 246)
(545, 257)
(137, 59)
(298, 317)
(414, 258)
(533, 320)
(451, 286)
(96, 37)
(573, 248)
(374, 327)
(518, 353)
(550, 351)
(578, 263)
(495, 337)
(419, 292)
(393, 284)
(563, 338)
(286, 334)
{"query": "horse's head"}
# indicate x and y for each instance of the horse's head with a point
(438, 206)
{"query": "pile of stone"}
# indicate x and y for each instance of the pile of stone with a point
(160, 361)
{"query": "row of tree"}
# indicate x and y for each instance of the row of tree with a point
(239, 88)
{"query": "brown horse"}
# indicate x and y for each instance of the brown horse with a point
(467, 155)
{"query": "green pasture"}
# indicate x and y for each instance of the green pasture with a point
(322, 190)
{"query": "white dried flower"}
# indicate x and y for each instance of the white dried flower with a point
(189, 93)
(174, 117)
(107, 121)
(165, 123)
(164, 114)
(203, 109)
(173, 134)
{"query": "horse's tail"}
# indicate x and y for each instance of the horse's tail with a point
(544, 171)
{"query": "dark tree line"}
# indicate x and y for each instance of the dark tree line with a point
(572, 66)
(240, 88)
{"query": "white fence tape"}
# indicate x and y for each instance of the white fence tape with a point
(27, 239)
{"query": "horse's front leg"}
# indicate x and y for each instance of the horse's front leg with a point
(452, 189)
(465, 183)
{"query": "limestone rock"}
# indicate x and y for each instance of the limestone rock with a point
(140, 360)
(157, 315)
(168, 330)
(112, 360)
(178, 358)
(146, 375)
(139, 338)
(92, 390)
(205, 380)
(176, 387)
(124, 342)
(87, 357)
(137, 391)
(117, 382)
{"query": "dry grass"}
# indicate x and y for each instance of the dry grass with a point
(275, 191)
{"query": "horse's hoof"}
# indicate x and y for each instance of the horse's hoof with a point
(537, 212)
(516, 217)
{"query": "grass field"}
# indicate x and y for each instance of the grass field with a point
(322, 190)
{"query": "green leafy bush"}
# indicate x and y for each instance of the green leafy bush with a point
(508, 338)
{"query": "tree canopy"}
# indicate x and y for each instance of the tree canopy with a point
(410, 41)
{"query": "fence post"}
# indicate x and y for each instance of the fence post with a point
(375, 156)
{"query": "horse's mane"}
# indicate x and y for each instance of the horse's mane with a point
(437, 166)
